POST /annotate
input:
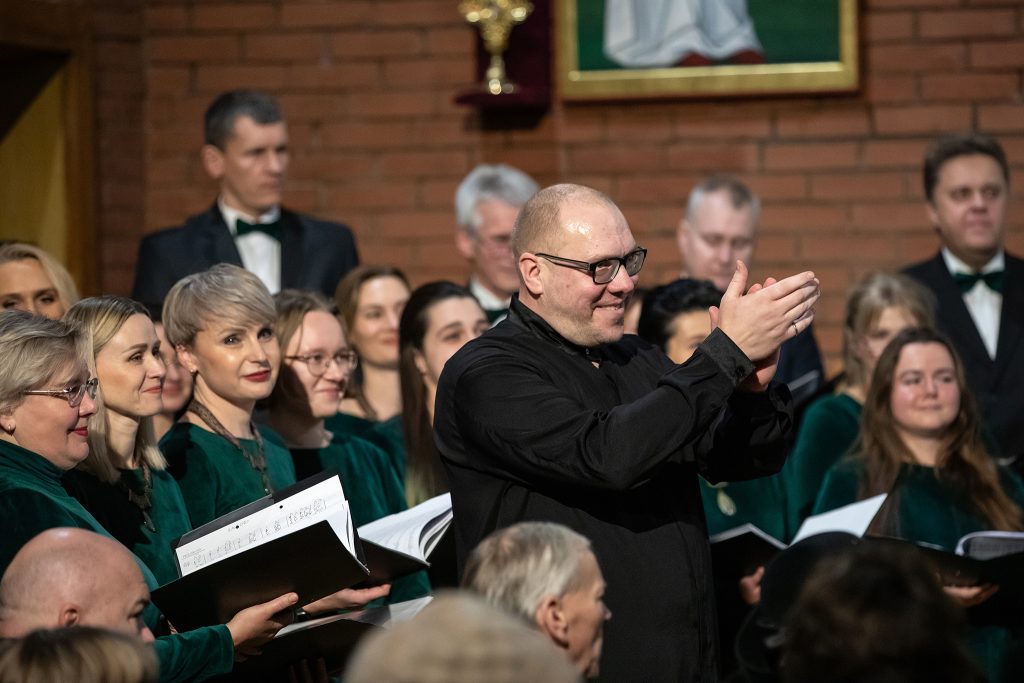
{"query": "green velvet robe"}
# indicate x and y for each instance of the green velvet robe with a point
(929, 510)
(386, 435)
(32, 500)
(757, 501)
(827, 432)
(214, 477)
(109, 504)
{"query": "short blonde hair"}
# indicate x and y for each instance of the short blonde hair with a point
(99, 319)
(223, 292)
(58, 275)
(83, 654)
(32, 350)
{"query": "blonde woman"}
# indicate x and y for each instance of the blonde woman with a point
(32, 280)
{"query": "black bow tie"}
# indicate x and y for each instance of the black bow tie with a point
(244, 228)
(994, 280)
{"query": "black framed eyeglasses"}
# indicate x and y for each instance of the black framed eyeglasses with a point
(605, 270)
(72, 394)
(319, 362)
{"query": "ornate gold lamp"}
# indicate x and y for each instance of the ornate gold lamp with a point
(495, 20)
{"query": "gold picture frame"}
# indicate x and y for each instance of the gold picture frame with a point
(580, 80)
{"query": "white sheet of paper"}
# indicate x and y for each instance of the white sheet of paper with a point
(853, 519)
(323, 501)
(412, 531)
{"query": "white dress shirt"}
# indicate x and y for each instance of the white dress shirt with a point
(261, 253)
(487, 300)
(983, 303)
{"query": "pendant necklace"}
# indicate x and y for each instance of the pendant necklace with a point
(257, 461)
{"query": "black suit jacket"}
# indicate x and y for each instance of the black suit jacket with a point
(315, 254)
(998, 384)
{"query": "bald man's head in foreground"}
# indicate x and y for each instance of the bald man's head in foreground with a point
(71, 577)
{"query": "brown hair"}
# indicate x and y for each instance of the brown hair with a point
(963, 460)
(82, 654)
(292, 306)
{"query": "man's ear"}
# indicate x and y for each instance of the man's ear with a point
(464, 241)
(933, 216)
(551, 621)
(213, 161)
(682, 234)
(186, 358)
(529, 271)
(68, 615)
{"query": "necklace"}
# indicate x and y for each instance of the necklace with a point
(725, 502)
(140, 492)
(257, 461)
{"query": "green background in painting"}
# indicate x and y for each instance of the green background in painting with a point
(789, 30)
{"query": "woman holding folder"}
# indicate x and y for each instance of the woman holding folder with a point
(920, 443)
(47, 400)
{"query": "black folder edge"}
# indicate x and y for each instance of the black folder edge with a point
(249, 509)
(387, 564)
(312, 562)
(958, 570)
(739, 551)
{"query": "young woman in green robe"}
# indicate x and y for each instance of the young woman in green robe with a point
(221, 322)
(46, 403)
(920, 443)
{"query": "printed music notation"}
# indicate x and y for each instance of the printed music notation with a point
(323, 501)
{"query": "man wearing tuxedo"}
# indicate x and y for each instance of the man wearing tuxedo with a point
(979, 287)
(246, 152)
(487, 203)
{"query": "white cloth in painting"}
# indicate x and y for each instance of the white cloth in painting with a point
(658, 33)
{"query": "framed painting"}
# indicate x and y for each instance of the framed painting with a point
(624, 49)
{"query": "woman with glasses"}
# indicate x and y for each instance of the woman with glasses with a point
(437, 320)
(46, 402)
(316, 368)
(32, 280)
(371, 299)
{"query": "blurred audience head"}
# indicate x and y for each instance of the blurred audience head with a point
(46, 396)
(487, 203)
(124, 355)
(32, 280)
(547, 575)
(875, 613)
(73, 577)
(719, 228)
(675, 316)
(877, 308)
(437, 320)
(82, 655)
(459, 639)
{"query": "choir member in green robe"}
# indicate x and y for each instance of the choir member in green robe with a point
(877, 308)
(437, 320)
(370, 300)
(316, 367)
(46, 403)
(221, 322)
(920, 443)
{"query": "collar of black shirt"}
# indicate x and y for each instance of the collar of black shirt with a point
(519, 314)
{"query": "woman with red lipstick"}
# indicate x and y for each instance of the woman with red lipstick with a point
(46, 402)
(221, 324)
(317, 365)
(124, 482)
(371, 299)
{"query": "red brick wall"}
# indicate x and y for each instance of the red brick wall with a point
(368, 85)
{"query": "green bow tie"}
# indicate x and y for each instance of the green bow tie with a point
(994, 280)
(272, 229)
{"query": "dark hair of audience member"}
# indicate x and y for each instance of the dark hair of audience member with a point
(964, 459)
(662, 304)
(82, 654)
(875, 614)
(952, 146)
(223, 112)
(424, 473)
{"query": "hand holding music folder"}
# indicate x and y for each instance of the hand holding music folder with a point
(400, 544)
(299, 539)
